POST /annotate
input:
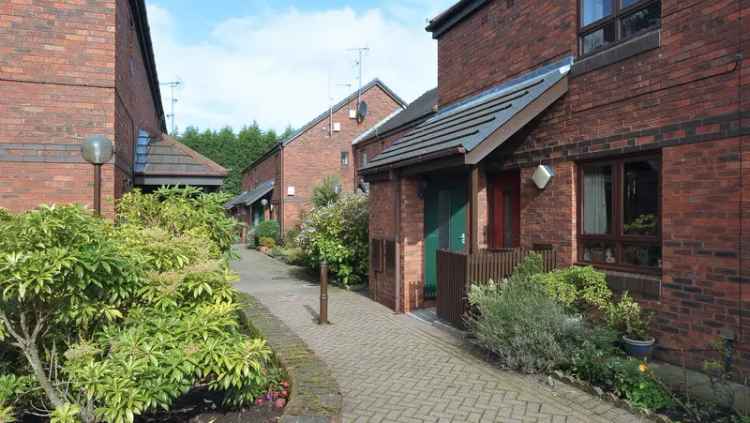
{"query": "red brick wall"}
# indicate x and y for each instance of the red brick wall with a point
(56, 66)
(134, 105)
(412, 245)
(382, 226)
(59, 69)
(550, 215)
(498, 42)
(314, 155)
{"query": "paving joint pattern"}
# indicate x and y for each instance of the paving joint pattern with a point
(395, 368)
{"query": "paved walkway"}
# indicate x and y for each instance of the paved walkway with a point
(394, 368)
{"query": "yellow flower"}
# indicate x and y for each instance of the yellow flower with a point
(643, 367)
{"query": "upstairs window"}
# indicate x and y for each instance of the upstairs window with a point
(344, 158)
(605, 22)
(620, 214)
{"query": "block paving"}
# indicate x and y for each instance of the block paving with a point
(396, 368)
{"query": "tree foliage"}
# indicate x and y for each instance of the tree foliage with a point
(233, 150)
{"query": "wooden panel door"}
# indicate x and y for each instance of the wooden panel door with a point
(505, 210)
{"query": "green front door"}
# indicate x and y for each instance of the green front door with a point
(444, 225)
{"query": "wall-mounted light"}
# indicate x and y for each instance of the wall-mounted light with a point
(264, 202)
(542, 176)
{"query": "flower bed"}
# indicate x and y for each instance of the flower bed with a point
(569, 324)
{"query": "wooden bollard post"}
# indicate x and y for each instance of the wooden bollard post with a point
(323, 293)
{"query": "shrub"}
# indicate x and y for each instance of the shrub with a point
(338, 234)
(522, 325)
(327, 193)
(265, 242)
(290, 239)
(268, 229)
(116, 321)
(578, 288)
(182, 211)
(626, 317)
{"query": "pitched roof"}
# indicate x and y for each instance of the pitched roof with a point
(424, 106)
(165, 156)
(249, 197)
(311, 124)
(485, 120)
(453, 15)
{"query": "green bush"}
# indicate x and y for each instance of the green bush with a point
(579, 289)
(182, 211)
(266, 242)
(268, 229)
(522, 324)
(627, 318)
(112, 322)
(338, 234)
(327, 192)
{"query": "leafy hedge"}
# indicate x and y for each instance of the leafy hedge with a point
(107, 322)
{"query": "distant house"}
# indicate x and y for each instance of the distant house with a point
(72, 70)
(615, 136)
(279, 184)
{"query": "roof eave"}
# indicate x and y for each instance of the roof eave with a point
(138, 9)
(455, 14)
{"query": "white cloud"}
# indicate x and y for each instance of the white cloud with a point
(274, 68)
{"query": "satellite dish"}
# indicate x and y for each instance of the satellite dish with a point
(361, 111)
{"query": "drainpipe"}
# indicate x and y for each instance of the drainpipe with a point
(397, 218)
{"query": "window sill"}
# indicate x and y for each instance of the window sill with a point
(617, 53)
(646, 286)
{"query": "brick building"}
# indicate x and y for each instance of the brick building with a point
(640, 108)
(72, 70)
(286, 175)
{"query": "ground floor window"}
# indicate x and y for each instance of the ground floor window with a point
(620, 213)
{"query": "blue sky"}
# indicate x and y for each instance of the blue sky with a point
(281, 62)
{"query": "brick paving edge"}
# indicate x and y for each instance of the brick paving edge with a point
(314, 396)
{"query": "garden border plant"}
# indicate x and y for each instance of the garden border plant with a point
(568, 324)
(112, 321)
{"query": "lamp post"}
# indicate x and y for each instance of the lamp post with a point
(97, 150)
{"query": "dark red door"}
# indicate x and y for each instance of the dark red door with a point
(505, 210)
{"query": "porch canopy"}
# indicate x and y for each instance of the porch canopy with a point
(162, 160)
(465, 132)
(248, 198)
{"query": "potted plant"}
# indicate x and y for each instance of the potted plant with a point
(627, 318)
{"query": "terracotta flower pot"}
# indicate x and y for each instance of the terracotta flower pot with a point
(638, 349)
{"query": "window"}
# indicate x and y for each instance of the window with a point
(363, 159)
(604, 22)
(344, 158)
(620, 213)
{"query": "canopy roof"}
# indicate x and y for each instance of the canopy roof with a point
(248, 198)
(476, 126)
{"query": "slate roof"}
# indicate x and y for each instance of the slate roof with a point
(463, 126)
(311, 124)
(249, 197)
(424, 106)
(165, 156)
